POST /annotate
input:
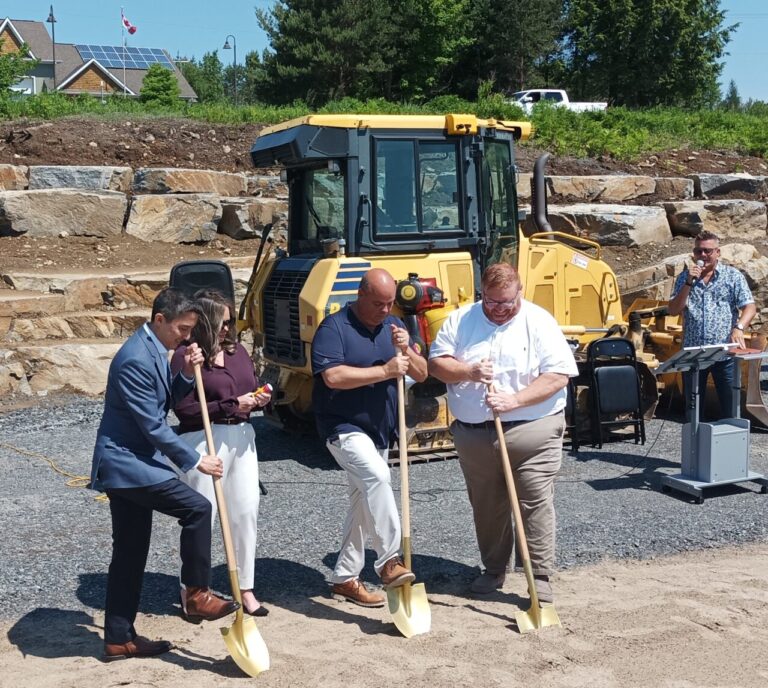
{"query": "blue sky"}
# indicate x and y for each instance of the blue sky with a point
(194, 27)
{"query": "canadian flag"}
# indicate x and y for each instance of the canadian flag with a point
(130, 28)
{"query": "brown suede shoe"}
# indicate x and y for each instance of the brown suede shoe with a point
(487, 583)
(138, 647)
(203, 605)
(355, 591)
(394, 574)
(543, 590)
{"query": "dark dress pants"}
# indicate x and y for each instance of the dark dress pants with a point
(131, 510)
(723, 373)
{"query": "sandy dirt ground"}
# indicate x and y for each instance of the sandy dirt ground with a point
(698, 619)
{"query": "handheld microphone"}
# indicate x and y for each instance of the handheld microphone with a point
(699, 263)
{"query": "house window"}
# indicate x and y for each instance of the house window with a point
(26, 86)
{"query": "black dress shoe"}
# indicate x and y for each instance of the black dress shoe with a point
(138, 647)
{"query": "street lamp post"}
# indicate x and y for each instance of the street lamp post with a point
(227, 46)
(52, 21)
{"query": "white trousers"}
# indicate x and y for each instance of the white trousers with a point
(372, 507)
(236, 447)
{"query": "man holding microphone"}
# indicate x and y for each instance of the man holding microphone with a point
(717, 306)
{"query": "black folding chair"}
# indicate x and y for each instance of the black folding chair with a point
(615, 399)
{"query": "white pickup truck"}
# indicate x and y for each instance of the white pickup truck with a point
(555, 96)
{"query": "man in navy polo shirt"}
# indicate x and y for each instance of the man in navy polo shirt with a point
(357, 355)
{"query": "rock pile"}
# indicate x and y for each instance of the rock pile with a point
(60, 330)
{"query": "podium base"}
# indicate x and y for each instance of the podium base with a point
(696, 488)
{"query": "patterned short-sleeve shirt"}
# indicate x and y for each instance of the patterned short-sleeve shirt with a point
(713, 308)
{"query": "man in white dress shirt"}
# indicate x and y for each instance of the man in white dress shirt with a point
(518, 347)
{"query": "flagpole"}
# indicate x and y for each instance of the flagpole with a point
(122, 29)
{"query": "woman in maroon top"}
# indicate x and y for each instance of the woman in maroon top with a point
(229, 382)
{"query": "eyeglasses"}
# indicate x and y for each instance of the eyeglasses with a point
(705, 251)
(492, 303)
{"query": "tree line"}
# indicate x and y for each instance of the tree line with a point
(636, 53)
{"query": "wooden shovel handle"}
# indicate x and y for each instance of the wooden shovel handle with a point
(226, 533)
(403, 450)
(510, 480)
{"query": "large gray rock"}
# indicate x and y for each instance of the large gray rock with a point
(13, 380)
(245, 218)
(76, 177)
(13, 177)
(49, 212)
(78, 291)
(608, 188)
(610, 225)
(752, 263)
(83, 325)
(75, 366)
(171, 180)
(174, 218)
(674, 188)
(708, 185)
(733, 219)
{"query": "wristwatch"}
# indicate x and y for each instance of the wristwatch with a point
(689, 282)
(738, 326)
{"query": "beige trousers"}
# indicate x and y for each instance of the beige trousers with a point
(535, 451)
(372, 507)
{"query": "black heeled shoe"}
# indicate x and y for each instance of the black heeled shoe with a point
(261, 610)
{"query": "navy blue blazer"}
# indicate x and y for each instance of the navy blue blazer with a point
(134, 442)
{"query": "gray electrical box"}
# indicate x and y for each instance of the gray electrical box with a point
(722, 453)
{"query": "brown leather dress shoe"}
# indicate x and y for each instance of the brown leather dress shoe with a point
(203, 605)
(355, 591)
(138, 647)
(394, 574)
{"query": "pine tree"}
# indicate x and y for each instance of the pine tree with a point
(731, 101)
(646, 52)
(160, 86)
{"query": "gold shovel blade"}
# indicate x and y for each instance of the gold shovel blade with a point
(409, 607)
(534, 619)
(246, 646)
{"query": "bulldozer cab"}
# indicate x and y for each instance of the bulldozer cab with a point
(375, 185)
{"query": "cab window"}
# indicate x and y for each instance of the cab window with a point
(499, 202)
(321, 209)
(417, 187)
(497, 183)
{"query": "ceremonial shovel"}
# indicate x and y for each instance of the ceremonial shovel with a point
(407, 603)
(536, 617)
(244, 642)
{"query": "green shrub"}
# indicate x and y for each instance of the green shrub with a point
(618, 132)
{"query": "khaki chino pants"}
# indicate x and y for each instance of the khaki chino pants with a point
(535, 451)
(372, 507)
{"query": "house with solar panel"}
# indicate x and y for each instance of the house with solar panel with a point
(97, 70)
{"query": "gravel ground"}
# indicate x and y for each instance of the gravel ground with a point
(55, 542)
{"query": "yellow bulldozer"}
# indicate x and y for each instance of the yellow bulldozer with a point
(433, 200)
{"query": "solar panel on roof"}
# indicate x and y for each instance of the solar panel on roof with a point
(114, 57)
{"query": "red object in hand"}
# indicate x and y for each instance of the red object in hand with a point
(264, 388)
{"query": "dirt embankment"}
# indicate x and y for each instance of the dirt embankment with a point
(185, 143)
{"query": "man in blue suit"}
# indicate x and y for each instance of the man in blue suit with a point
(132, 464)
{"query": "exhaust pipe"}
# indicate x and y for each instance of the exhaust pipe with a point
(539, 195)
